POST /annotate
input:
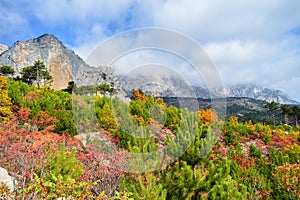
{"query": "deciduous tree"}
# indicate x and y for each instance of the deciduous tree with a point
(5, 102)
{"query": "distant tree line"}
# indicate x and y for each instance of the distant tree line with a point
(103, 89)
(290, 114)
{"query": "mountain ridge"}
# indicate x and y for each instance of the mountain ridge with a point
(170, 85)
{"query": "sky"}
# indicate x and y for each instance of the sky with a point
(250, 41)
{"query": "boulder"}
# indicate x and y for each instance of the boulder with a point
(5, 178)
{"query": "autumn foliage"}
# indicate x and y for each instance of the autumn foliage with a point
(207, 117)
(78, 147)
(5, 102)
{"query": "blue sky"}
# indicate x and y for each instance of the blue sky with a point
(250, 41)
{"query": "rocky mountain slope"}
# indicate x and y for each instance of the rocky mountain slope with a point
(3, 48)
(63, 64)
(171, 86)
(260, 93)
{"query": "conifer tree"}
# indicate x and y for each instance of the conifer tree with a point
(144, 186)
(182, 181)
(107, 119)
(219, 183)
(272, 108)
(37, 72)
(286, 110)
(6, 71)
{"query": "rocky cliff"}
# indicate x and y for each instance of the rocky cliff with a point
(61, 62)
(3, 48)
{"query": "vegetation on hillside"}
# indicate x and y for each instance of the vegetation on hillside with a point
(181, 154)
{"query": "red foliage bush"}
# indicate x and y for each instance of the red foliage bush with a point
(23, 151)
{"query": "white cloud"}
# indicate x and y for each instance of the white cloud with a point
(63, 11)
(250, 41)
(12, 24)
(232, 19)
(89, 40)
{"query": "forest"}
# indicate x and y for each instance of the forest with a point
(68, 145)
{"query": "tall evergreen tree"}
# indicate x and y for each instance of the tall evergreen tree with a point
(36, 73)
(285, 110)
(272, 107)
(295, 112)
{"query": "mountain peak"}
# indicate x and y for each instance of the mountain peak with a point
(61, 62)
(47, 37)
(169, 86)
(260, 93)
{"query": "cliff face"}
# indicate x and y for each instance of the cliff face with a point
(61, 62)
(3, 48)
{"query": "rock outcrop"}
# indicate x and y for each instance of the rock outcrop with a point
(100, 75)
(3, 48)
(5, 178)
(61, 62)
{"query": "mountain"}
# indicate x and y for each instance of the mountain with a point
(160, 83)
(260, 93)
(170, 85)
(63, 64)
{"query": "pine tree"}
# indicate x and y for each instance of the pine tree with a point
(286, 110)
(272, 107)
(191, 148)
(295, 112)
(144, 186)
(107, 119)
(182, 181)
(6, 71)
(37, 72)
(219, 183)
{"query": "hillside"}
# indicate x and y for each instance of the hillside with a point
(97, 147)
(85, 144)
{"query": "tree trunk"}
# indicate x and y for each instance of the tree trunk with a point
(195, 176)
(273, 117)
(286, 119)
